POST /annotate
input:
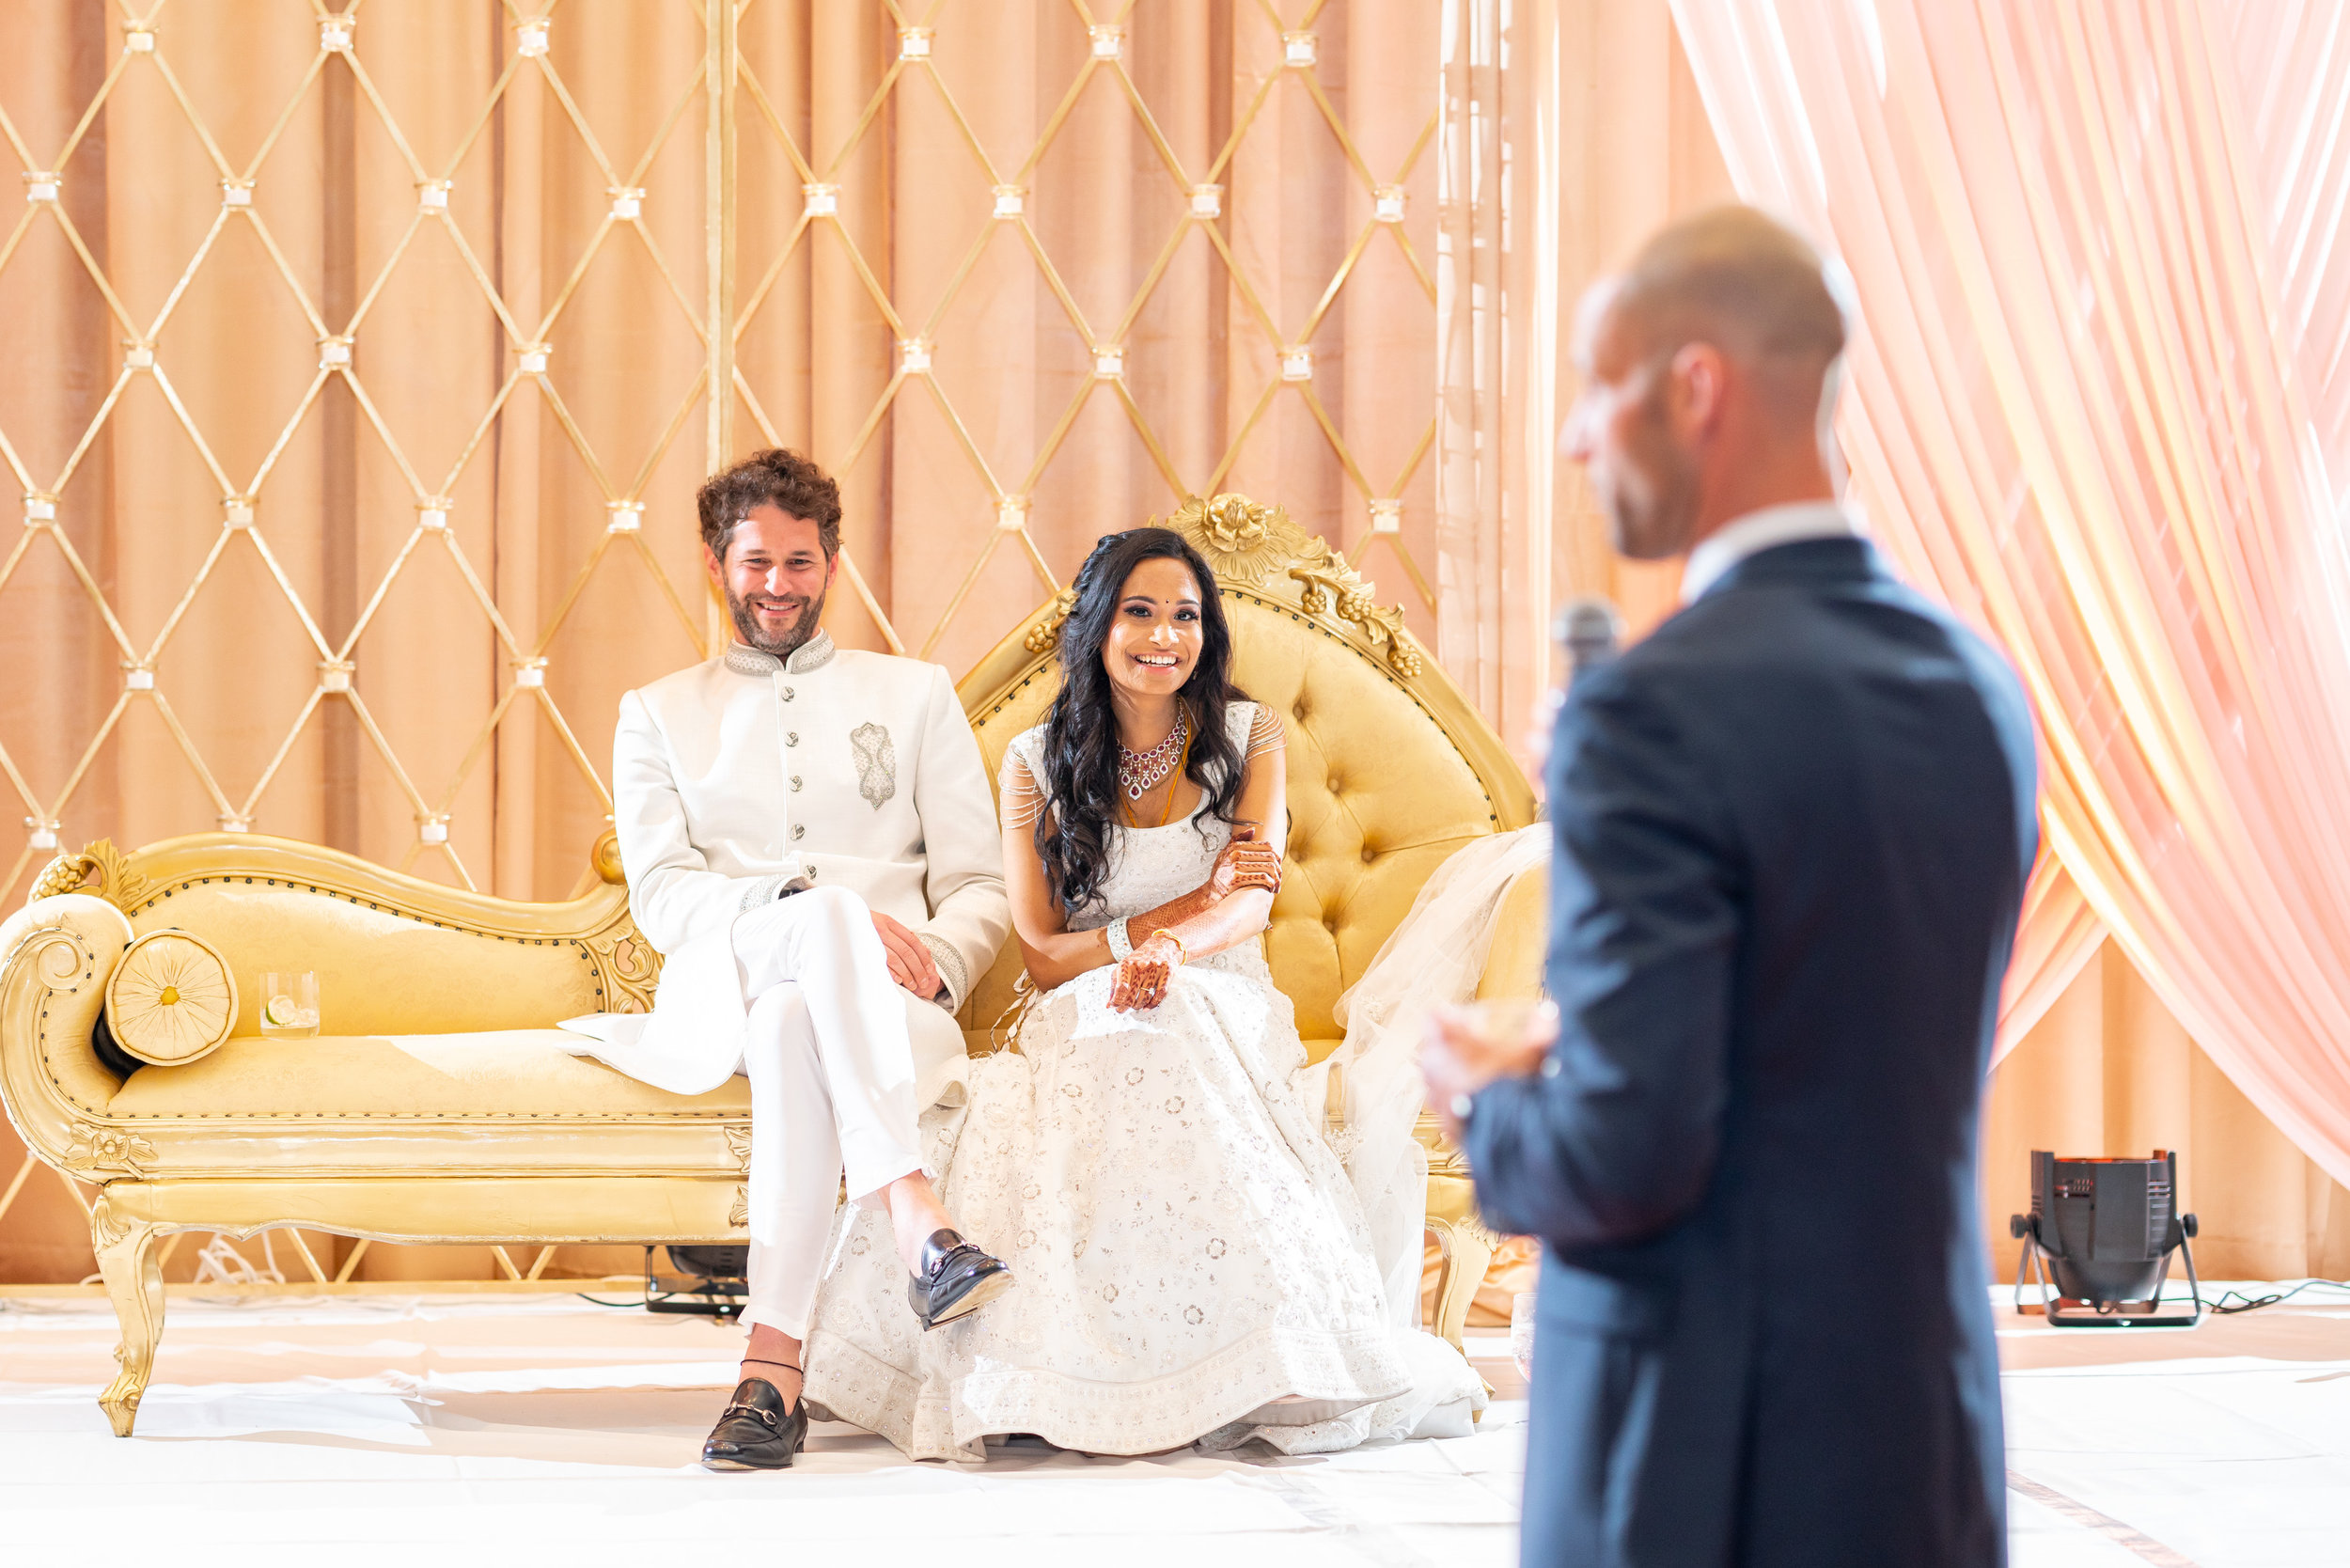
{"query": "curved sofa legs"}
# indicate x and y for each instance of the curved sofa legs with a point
(1467, 1250)
(135, 1282)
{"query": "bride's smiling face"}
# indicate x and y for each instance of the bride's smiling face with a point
(1154, 639)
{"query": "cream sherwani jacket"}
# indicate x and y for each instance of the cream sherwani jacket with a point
(738, 779)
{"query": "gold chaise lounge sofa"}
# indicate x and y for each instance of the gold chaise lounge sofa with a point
(439, 1105)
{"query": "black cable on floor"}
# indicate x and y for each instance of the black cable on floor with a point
(2254, 1303)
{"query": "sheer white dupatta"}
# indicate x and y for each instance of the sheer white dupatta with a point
(1435, 956)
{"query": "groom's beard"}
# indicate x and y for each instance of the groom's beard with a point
(783, 645)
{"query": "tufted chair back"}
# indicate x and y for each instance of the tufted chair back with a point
(1391, 770)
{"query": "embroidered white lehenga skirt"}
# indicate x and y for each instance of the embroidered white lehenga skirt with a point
(1190, 1256)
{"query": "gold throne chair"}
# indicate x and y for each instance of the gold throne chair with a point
(446, 1107)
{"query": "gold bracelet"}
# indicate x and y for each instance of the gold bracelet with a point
(1183, 952)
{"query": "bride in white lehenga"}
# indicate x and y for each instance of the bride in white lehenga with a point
(1192, 1260)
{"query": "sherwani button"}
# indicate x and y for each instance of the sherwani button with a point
(795, 783)
(792, 739)
(799, 831)
(786, 693)
(810, 868)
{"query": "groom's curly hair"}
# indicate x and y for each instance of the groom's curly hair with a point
(773, 477)
(1080, 782)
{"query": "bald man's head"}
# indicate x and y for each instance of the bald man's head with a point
(1709, 365)
(1739, 279)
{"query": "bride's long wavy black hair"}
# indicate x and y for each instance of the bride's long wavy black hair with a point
(1080, 782)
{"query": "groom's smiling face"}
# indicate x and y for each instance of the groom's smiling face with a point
(775, 577)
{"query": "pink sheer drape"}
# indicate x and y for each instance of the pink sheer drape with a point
(2055, 938)
(2099, 405)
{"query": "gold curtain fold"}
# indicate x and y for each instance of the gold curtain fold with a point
(1571, 129)
(2083, 413)
(1498, 291)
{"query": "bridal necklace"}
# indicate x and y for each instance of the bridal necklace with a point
(1141, 772)
(1167, 807)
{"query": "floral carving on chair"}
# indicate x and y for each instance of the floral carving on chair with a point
(1325, 574)
(1047, 633)
(108, 1148)
(108, 1229)
(629, 967)
(1243, 541)
(117, 883)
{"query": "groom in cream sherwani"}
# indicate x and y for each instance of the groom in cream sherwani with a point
(811, 844)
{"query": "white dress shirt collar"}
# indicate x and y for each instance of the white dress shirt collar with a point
(1735, 540)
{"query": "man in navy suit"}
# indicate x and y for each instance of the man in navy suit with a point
(1793, 827)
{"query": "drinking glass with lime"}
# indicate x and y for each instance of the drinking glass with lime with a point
(290, 1004)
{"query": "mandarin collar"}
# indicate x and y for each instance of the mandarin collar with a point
(815, 654)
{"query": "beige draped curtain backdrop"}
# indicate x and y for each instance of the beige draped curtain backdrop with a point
(361, 363)
(2098, 407)
(356, 375)
(1087, 259)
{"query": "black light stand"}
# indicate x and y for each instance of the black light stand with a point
(716, 1282)
(2104, 1230)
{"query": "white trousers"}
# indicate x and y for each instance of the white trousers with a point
(826, 1048)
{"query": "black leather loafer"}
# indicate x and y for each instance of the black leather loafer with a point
(756, 1432)
(957, 1279)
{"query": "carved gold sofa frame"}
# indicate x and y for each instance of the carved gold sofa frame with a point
(443, 1109)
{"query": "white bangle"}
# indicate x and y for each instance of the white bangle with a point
(1120, 948)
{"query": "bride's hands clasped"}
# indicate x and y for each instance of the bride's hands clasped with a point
(1247, 861)
(1144, 974)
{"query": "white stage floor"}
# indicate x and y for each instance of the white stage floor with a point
(473, 1426)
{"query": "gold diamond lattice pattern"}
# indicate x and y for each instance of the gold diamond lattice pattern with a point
(1034, 274)
(361, 362)
(400, 320)
(363, 355)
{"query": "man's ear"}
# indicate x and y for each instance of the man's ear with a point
(832, 569)
(1700, 385)
(716, 568)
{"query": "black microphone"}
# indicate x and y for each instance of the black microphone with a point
(1588, 630)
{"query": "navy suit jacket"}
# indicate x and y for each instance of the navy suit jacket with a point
(1792, 831)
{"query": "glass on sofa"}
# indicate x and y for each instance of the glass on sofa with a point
(289, 1003)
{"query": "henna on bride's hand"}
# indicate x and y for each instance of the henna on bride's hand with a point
(1266, 875)
(1142, 977)
(1244, 862)
(1261, 868)
(1140, 985)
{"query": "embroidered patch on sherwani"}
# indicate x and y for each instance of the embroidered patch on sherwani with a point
(876, 763)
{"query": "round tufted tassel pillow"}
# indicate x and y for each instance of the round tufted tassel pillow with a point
(171, 1000)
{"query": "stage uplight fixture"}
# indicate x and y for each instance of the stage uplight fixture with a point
(2105, 1229)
